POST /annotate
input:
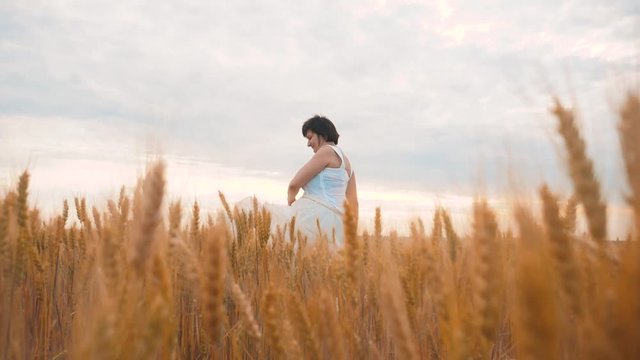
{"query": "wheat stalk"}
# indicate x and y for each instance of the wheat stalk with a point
(272, 331)
(24, 237)
(303, 327)
(535, 313)
(587, 186)
(562, 250)
(214, 270)
(629, 131)
(153, 191)
(378, 227)
(395, 315)
(352, 250)
(485, 232)
(246, 314)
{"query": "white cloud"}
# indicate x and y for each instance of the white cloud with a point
(421, 91)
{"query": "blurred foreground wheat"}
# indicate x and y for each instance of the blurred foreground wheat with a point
(134, 281)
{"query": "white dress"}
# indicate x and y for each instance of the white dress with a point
(321, 202)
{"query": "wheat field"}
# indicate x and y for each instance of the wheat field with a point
(141, 280)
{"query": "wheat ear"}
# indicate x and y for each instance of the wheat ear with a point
(587, 186)
(562, 250)
(352, 250)
(535, 318)
(153, 192)
(213, 276)
(485, 233)
(246, 314)
(629, 130)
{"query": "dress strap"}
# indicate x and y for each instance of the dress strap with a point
(340, 154)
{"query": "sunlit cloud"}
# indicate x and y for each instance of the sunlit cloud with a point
(430, 97)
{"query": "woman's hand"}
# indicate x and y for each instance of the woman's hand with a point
(291, 194)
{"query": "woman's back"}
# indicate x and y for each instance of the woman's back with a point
(329, 185)
(327, 179)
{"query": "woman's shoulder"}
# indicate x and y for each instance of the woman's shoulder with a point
(328, 148)
(327, 152)
(331, 150)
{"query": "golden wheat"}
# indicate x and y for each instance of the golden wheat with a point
(629, 130)
(586, 184)
(124, 283)
(153, 190)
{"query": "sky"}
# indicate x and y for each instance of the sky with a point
(436, 102)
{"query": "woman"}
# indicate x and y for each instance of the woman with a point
(327, 179)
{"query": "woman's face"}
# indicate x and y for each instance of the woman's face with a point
(314, 141)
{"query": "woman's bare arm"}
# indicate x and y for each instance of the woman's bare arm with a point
(319, 161)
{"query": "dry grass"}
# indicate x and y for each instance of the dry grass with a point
(123, 282)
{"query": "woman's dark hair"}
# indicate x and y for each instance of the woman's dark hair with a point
(321, 126)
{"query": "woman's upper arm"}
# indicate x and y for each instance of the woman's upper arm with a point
(319, 161)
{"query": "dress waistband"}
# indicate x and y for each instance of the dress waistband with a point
(323, 203)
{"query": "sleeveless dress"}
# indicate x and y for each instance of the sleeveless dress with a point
(322, 201)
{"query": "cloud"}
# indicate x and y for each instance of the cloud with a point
(427, 95)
